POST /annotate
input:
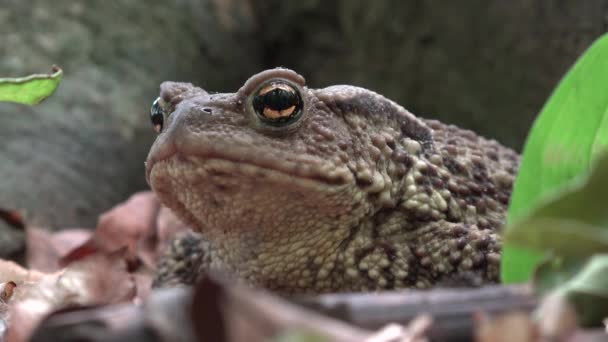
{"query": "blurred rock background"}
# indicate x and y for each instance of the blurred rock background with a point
(487, 65)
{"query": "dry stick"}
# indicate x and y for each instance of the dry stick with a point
(223, 312)
(452, 309)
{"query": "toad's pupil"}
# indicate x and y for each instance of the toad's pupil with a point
(278, 104)
(279, 99)
(157, 116)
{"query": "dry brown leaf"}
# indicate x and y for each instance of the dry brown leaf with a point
(140, 224)
(167, 226)
(45, 249)
(97, 279)
(415, 331)
(86, 249)
(143, 285)
(97, 272)
(127, 223)
(6, 290)
(512, 326)
(11, 271)
(558, 319)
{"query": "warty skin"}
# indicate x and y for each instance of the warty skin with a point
(354, 193)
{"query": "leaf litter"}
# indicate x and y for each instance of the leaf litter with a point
(84, 285)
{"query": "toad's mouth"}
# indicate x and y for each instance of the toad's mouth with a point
(316, 171)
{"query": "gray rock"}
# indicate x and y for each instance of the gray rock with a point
(82, 151)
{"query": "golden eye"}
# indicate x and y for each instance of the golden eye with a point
(278, 104)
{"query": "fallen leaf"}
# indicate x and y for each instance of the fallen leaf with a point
(124, 226)
(415, 331)
(512, 326)
(154, 244)
(87, 248)
(143, 285)
(46, 249)
(127, 223)
(95, 280)
(11, 271)
(6, 290)
(557, 317)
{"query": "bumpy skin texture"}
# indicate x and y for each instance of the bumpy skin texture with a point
(357, 195)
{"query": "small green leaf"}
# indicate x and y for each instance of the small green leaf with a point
(570, 131)
(31, 89)
(588, 291)
(555, 272)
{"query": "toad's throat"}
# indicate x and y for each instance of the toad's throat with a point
(218, 196)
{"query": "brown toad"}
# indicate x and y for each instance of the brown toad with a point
(318, 190)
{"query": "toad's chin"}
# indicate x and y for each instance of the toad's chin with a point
(212, 192)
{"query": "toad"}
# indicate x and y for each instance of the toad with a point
(302, 190)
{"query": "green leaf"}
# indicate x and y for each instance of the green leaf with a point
(31, 89)
(568, 238)
(571, 129)
(588, 291)
(573, 225)
(555, 272)
(572, 222)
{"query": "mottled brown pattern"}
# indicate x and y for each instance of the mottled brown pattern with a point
(357, 195)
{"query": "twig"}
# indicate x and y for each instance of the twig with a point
(451, 309)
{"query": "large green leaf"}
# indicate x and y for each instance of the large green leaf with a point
(31, 89)
(570, 130)
(573, 225)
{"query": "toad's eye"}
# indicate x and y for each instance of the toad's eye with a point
(157, 115)
(278, 104)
